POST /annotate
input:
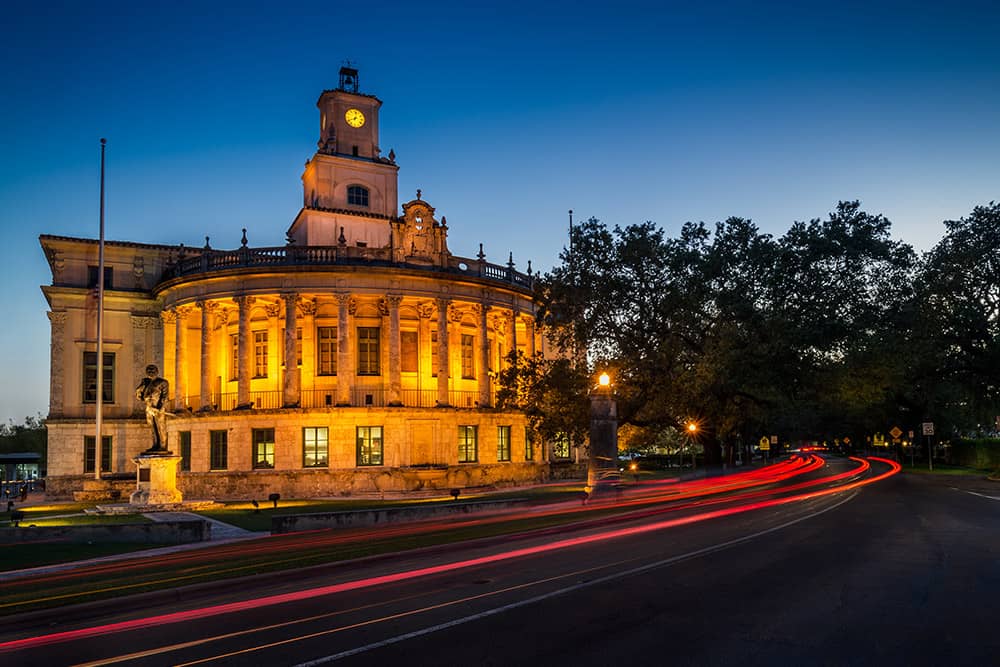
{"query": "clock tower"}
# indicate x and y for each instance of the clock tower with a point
(349, 189)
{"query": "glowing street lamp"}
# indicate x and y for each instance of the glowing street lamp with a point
(604, 380)
(692, 428)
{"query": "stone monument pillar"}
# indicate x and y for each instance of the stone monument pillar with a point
(156, 480)
(603, 464)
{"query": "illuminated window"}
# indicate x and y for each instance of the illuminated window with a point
(560, 446)
(260, 354)
(218, 450)
(184, 444)
(315, 445)
(368, 351)
(369, 445)
(408, 351)
(357, 195)
(468, 444)
(529, 446)
(468, 356)
(503, 443)
(89, 452)
(263, 448)
(234, 347)
(298, 346)
(326, 350)
(90, 377)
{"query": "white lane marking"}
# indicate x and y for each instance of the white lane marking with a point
(538, 598)
(981, 495)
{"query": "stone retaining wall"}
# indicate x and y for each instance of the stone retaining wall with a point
(167, 532)
(384, 515)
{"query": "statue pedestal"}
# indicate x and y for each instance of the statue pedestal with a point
(156, 480)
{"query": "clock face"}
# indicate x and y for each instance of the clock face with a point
(354, 118)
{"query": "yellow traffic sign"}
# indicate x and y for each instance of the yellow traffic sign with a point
(765, 444)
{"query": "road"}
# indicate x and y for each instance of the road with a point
(901, 572)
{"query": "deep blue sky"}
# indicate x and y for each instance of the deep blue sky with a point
(505, 116)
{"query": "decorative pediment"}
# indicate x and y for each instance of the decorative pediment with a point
(418, 237)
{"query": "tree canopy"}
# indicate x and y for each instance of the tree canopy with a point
(833, 329)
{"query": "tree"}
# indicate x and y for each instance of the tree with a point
(551, 392)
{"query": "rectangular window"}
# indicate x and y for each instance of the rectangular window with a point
(468, 444)
(503, 443)
(89, 452)
(234, 346)
(218, 450)
(108, 277)
(315, 444)
(560, 446)
(298, 346)
(90, 377)
(529, 446)
(263, 448)
(408, 351)
(184, 444)
(368, 361)
(326, 350)
(369, 445)
(260, 354)
(468, 356)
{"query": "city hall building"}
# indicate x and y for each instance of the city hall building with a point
(360, 357)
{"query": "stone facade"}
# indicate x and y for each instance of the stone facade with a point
(360, 357)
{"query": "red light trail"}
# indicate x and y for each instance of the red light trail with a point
(615, 533)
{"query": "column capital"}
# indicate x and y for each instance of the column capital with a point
(206, 305)
(454, 313)
(168, 316)
(182, 312)
(57, 317)
(272, 310)
(243, 300)
(394, 300)
(308, 307)
(425, 310)
(221, 318)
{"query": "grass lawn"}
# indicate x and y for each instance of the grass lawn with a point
(921, 468)
(35, 554)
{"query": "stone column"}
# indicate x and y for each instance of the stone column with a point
(290, 385)
(515, 317)
(169, 322)
(57, 368)
(442, 351)
(395, 361)
(180, 357)
(308, 308)
(243, 352)
(484, 358)
(345, 368)
(425, 351)
(529, 333)
(207, 308)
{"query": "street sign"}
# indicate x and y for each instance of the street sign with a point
(928, 428)
(910, 434)
(765, 444)
(895, 432)
(774, 439)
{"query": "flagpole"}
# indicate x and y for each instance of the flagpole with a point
(100, 331)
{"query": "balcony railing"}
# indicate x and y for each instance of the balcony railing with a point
(361, 397)
(207, 261)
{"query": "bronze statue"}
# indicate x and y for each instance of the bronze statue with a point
(153, 391)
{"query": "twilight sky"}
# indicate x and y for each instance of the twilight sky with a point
(505, 116)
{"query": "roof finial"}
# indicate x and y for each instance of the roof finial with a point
(207, 246)
(510, 260)
(343, 239)
(529, 268)
(243, 242)
(418, 193)
(481, 255)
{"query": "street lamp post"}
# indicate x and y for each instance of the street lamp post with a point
(692, 428)
(603, 433)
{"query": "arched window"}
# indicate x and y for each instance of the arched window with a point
(357, 195)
